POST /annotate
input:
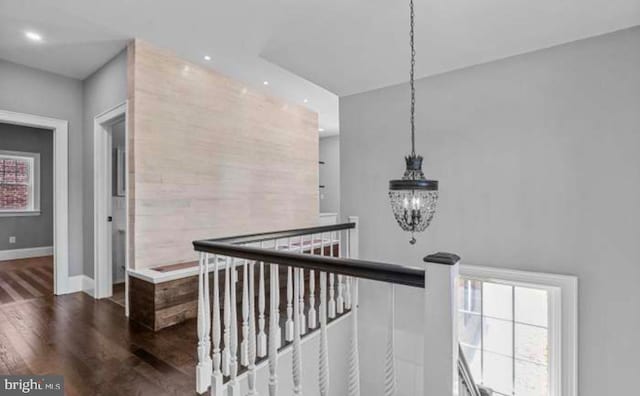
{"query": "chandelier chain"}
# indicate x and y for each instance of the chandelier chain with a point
(411, 81)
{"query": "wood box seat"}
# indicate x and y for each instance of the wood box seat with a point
(164, 296)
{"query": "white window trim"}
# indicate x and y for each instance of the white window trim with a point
(563, 315)
(35, 175)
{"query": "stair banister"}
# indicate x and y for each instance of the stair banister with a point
(244, 321)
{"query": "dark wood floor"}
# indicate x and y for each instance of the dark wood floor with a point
(118, 294)
(25, 279)
(89, 341)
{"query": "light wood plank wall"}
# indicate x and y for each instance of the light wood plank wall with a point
(210, 157)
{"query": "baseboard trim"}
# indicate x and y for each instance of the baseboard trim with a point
(16, 254)
(81, 283)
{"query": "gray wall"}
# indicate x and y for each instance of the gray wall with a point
(330, 174)
(537, 156)
(32, 91)
(103, 90)
(30, 231)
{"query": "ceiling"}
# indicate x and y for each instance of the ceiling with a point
(314, 49)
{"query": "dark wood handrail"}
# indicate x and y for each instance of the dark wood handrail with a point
(273, 235)
(392, 273)
(384, 272)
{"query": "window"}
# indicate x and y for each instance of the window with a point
(19, 183)
(519, 330)
(504, 333)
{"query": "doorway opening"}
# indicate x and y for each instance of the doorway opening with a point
(35, 204)
(110, 206)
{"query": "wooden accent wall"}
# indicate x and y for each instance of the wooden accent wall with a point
(209, 157)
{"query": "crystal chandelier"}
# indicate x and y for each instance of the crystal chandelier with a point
(413, 198)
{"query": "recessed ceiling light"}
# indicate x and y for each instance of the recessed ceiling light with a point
(207, 58)
(306, 101)
(320, 129)
(265, 82)
(33, 36)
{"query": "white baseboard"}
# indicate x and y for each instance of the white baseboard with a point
(81, 283)
(26, 253)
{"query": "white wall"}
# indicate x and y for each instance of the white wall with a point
(537, 156)
(27, 90)
(330, 174)
(103, 90)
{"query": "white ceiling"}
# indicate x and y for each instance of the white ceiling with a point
(306, 49)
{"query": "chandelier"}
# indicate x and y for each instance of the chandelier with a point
(413, 198)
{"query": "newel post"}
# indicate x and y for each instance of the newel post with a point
(441, 325)
(353, 238)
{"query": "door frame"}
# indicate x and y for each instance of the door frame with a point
(60, 128)
(102, 237)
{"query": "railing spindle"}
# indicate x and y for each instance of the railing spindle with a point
(340, 299)
(277, 306)
(262, 336)
(296, 358)
(233, 386)
(216, 377)
(244, 344)
(288, 330)
(251, 377)
(313, 316)
(203, 369)
(332, 301)
(303, 318)
(323, 374)
(226, 337)
(390, 356)
(347, 283)
(353, 387)
(274, 327)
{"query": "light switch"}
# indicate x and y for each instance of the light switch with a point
(12, 239)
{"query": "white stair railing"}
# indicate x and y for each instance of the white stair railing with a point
(221, 353)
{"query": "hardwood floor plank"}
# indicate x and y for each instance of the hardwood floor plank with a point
(24, 293)
(34, 281)
(5, 297)
(24, 284)
(45, 281)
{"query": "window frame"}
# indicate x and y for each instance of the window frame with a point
(562, 318)
(34, 199)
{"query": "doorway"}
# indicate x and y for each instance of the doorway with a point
(62, 283)
(110, 206)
